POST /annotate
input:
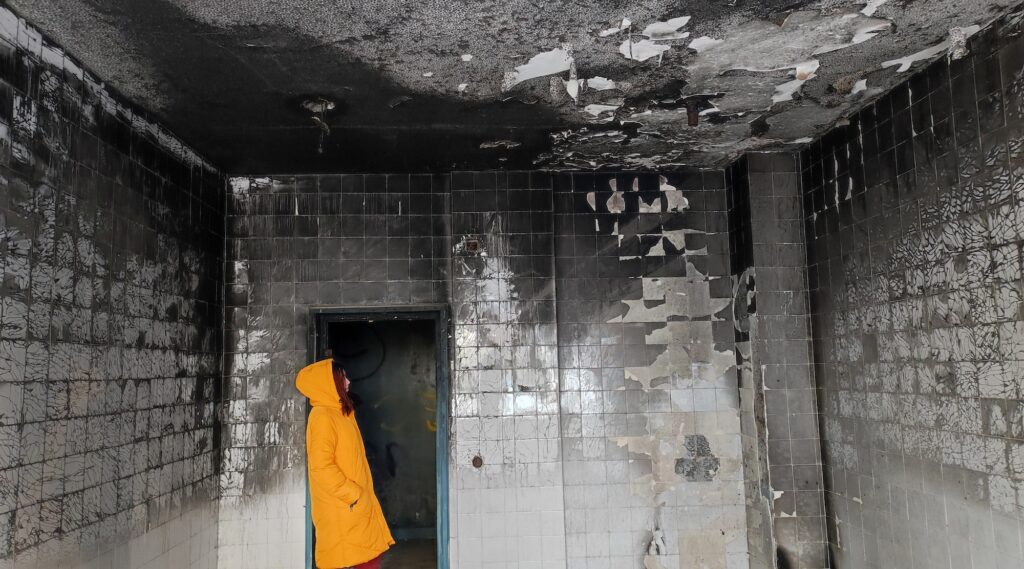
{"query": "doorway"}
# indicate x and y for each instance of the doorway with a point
(397, 362)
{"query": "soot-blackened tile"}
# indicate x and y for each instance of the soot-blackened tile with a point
(963, 92)
(883, 109)
(352, 184)
(604, 182)
(398, 269)
(375, 247)
(784, 162)
(919, 87)
(518, 180)
(329, 184)
(899, 97)
(306, 204)
(759, 162)
(375, 226)
(990, 112)
(485, 199)
(420, 183)
(375, 183)
(397, 183)
(375, 270)
(716, 201)
(904, 157)
(885, 135)
(540, 181)
(306, 226)
(907, 186)
(648, 182)
(485, 181)
(921, 115)
(583, 182)
(541, 201)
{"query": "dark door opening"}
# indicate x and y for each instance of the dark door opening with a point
(397, 362)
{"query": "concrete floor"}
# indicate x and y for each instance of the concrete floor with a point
(412, 554)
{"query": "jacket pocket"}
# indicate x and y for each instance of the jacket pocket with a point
(358, 515)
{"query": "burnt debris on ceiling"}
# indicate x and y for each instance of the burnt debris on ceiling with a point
(437, 85)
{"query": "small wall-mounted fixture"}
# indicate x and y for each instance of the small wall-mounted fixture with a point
(692, 113)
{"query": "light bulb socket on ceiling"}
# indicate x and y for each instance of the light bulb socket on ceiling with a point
(318, 105)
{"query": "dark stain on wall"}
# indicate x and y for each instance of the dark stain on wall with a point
(782, 560)
(700, 465)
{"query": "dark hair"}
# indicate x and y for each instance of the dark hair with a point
(339, 384)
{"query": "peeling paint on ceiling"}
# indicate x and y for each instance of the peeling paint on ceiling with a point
(642, 50)
(540, 65)
(904, 64)
(226, 74)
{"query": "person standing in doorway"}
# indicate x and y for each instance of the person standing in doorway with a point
(350, 526)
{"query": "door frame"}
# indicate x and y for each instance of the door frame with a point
(320, 318)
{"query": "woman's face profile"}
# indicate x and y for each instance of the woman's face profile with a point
(341, 379)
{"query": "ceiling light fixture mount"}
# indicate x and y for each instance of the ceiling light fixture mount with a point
(319, 107)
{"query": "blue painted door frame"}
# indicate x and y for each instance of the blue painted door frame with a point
(316, 346)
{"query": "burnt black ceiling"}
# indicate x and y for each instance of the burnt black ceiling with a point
(419, 85)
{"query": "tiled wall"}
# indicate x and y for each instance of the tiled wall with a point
(593, 367)
(631, 353)
(111, 247)
(296, 242)
(650, 412)
(508, 512)
(915, 224)
(771, 246)
(753, 429)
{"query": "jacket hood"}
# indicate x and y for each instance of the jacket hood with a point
(316, 382)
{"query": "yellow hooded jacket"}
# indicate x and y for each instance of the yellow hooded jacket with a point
(350, 526)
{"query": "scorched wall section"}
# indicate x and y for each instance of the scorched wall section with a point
(296, 242)
(914, 226)
(650, 411)
(772, 311)
(593, 370)
(111, 245)
(509, 510)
